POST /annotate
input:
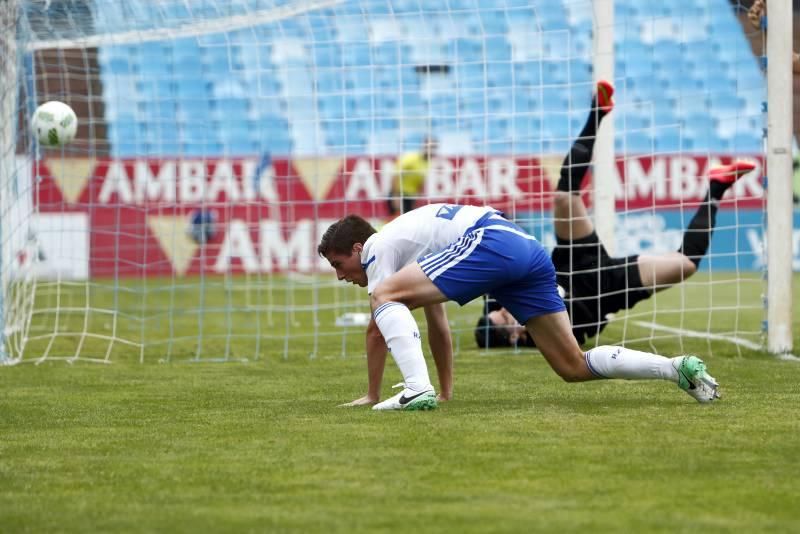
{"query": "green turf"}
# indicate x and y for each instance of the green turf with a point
(261, 446)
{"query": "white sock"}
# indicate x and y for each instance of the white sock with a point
(400, 331)
(618, 362)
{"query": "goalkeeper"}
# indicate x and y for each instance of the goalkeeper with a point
(594, 284)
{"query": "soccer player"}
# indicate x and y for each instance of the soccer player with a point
(409, 181)
(594, 284)
(442, 252)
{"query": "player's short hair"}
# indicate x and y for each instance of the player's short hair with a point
(340, 237)
(488, 334)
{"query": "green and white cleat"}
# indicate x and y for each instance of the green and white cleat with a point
(694, 380)
(410, 400)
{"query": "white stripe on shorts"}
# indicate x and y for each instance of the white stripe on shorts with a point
(512, 230)
(432, 263)
(455, 258)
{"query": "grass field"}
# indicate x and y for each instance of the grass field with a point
(262, 446)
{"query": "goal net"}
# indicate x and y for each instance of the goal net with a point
(218, 139)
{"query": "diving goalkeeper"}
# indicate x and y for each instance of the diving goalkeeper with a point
(595, 284)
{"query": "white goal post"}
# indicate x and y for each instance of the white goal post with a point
(779, 165)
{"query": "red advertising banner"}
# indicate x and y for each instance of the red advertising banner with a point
(268, 215)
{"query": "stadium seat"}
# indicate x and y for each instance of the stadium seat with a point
(669, 140)
(513, 65)
(493, 21)
(195, 88)
(238, 108)
(455, 143)
(526, 126)
(465, 50)
(746, 141)
(633, 143)
(326, 54)
(384, 142)
(332, 106)
(522, 146)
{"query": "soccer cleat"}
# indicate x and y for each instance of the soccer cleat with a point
(604, 93)
(410, 400)
(694, 380)
(727, 174)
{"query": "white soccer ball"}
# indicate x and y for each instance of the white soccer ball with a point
(54, 124)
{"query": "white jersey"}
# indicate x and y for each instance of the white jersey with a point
(414, 234)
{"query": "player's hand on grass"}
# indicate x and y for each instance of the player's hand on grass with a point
(441, 397)
(366, 400)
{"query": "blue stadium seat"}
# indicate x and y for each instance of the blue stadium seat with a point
(238, 108)
(475, 106)
(201, 148)
(529, 73)
(633, 51)
(389, 53)
(194, 110)
(465, 50)
(555, 144)
(388, 78)
(159, 109)
(499, 74)
(443, 105)
(634, 143)
(554, 98)
(386, 103)
(527, 147)
(360, 78)
(493, 21)
(667, 52)
(670, 140)
(410, 101)
(522, 101)
(332, 105)
(746, 141)
(292, 70)
(186, 88)
(700, 52)
(186, 47)
(326, 54)
(470, 77)
(330, 81)
(359, 105)
(628, 122)
(551, 15)
(321, 27)
(526, 126)
(356, 54)
(155, 68)
(726, 103)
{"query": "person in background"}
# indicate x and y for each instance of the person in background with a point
(758, 11)
(409, 180)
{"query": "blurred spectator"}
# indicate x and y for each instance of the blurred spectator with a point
(758, 11)
(796, 182)
(409, 181)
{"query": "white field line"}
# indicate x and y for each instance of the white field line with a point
(717, 337)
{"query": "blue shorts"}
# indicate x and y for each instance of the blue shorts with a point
(497, 257)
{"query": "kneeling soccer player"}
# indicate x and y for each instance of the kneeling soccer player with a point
(442, 252)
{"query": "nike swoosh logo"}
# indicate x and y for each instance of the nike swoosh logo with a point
(406, 400)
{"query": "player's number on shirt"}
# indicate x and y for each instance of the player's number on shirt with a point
(448, 211)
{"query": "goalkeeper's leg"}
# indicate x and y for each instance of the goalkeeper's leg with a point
(661, 272)
(571, 219)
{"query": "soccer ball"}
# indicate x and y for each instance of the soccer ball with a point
(54, 124)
